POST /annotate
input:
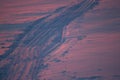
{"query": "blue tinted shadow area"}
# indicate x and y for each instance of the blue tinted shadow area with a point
(59, 9)
(12, 27)
(56, 60)
(4, 71)
(116, 77)
(89, 78)
(18, 39)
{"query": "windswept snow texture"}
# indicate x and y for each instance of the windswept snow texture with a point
(78, 41)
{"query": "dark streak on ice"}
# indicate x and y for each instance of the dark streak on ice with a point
(45, 33)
